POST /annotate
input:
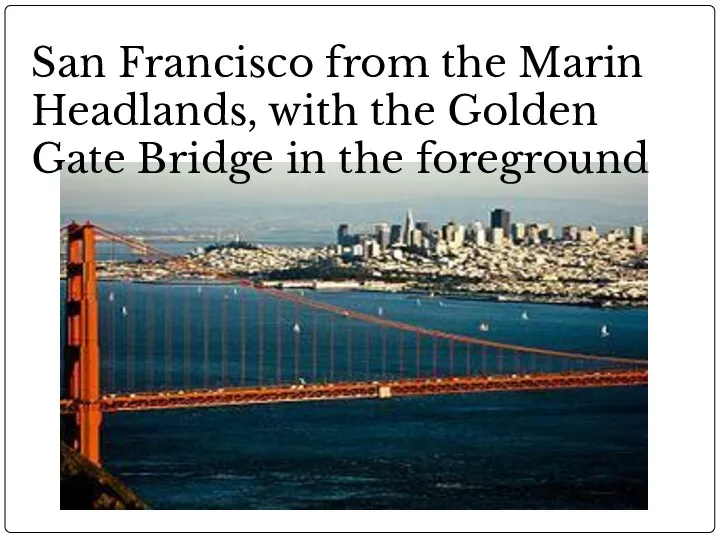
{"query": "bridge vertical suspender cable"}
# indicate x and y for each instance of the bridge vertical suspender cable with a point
(224, 373)
(129, 316)
(368, 341)
(261, 342)
(468, 356)
(332, 346)
(243, 340)
(150, 343)
(168, 339)
(418, 344)
(348, 330)
(296, 336)
(314, 346)
(206, 339)
(187, 343)
(278, 342)
(451, 354)
(111, 349)
(384, 352)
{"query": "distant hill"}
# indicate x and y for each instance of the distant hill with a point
(306, 222)
(84, 486)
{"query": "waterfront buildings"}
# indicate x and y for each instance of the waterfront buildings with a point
(582, 266)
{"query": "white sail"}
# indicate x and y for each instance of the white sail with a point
(296, 328)
(124, 311)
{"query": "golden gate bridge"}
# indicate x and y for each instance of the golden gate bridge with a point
(248, 344)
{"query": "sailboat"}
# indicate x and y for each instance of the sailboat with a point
(441, 303)
(484, 327)
(524, 316)
(604, 331)
(296, 328)
(111, 296)
(124, 311)
(199, 290)
(417, 302)
(380, 311)
(235, 292)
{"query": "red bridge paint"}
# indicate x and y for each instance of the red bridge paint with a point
(84, 405)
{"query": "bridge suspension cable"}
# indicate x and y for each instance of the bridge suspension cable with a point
(234, 341)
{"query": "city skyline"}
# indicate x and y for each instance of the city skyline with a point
(500, 230)
(314, 203)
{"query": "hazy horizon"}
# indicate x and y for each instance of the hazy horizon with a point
(279, 206)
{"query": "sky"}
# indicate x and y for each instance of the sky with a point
(307, 205)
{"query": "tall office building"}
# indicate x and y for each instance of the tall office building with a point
(424, 227)
(382, 234)
(500, 219)
(409, 227)
(415, 239)
(476, 233)
(496, 236)
(447, 231)
(547, 234)
(343, 233)
(395, 234)
(518, 232)
(636, 235)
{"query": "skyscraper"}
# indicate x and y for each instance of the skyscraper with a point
(500, 219)
(476, 233)
(395, 234)
(636, 235)
(409, 227)
(424, 227)
(518, 232)
(496, 236)
(382, 234)
(342, 234)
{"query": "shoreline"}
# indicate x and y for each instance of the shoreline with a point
(414, 293)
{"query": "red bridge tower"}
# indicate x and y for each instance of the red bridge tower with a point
(82, 354)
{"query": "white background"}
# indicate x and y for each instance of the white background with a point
(671, 107)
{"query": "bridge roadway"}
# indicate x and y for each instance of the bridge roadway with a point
(188, 399)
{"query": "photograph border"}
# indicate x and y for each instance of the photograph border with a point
(5, 234)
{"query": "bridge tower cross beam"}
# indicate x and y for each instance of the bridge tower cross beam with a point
(82, 354)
